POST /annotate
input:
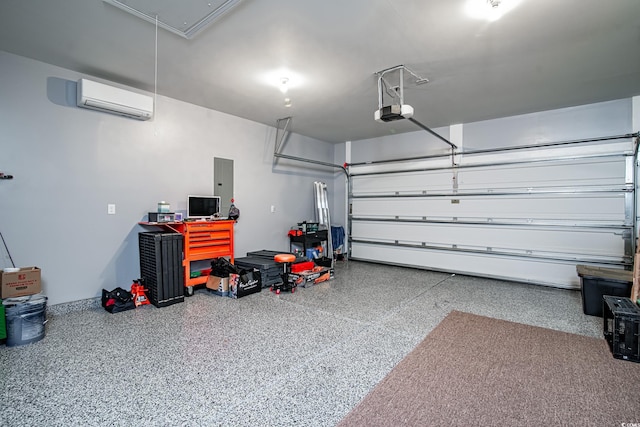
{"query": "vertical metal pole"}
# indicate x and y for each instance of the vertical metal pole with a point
(349, 220)
(380, 92)
(279, 141)
(455, 171)
(634, 178)
(346, 249)
(401, 87)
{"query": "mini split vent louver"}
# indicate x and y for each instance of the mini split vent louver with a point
(110, 99)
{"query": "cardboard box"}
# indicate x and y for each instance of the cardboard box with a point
(218, 285)
(312, 277)
(26, 281)
(241, 285)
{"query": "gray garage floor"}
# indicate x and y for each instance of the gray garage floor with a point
(263, 360)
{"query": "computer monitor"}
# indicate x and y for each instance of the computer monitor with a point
(203, 207)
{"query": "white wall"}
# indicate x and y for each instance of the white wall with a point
(585, 121)
(69, 163)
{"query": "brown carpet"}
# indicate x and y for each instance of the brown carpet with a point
(478, 371)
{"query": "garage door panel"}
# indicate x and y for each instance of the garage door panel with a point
(416, 182)
(606, 207)
(589, 242)
(603, 174)
(523, 270)
(527, 216)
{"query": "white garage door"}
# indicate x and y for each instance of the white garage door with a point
(527, 214)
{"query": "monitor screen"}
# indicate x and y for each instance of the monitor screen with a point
(201, 207)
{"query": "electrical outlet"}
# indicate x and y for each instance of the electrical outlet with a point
(273, 209)
(111, 209)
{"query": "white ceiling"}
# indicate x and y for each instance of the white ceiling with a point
(544, 54)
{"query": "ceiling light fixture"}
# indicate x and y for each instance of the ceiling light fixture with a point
(489, 10)
(284, 84)
(283, 79)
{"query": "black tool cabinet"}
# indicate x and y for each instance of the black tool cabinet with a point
(161, 267)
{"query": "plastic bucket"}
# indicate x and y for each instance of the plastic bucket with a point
(25, 319)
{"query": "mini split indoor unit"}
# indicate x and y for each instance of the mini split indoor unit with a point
(110, 99)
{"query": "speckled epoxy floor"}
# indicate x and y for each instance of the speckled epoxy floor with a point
(264, 360)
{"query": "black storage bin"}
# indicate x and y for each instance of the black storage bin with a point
(324, 262)
(621, 327)
(270, 270)
(270, 254)
(161, 267)
(265, 253)
(599, 281)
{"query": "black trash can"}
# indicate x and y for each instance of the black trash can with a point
(25, 319)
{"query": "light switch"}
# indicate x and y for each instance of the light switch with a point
(111, 209)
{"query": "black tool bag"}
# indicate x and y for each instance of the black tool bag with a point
(117, 300)
(222, 267)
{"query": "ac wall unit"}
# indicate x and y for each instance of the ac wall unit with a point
(101, 97)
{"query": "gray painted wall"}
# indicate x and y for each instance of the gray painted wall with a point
(69, 163)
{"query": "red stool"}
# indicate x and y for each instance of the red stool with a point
(287, 284)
